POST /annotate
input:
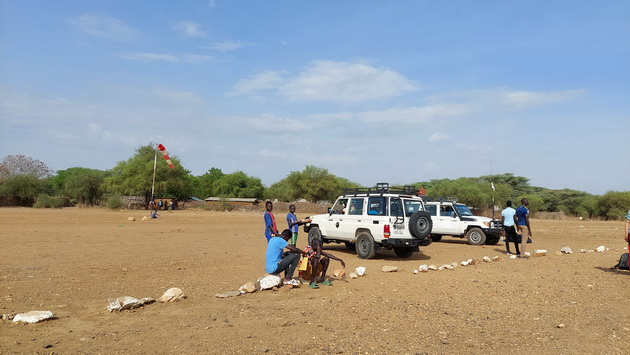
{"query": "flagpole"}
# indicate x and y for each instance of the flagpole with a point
(154, 166)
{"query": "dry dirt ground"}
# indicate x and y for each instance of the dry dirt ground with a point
(71, 260)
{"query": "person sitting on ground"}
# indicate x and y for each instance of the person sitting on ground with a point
(276, 261)
(318, 264)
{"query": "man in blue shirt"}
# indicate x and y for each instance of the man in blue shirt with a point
(277, 261)
(507, 219)
(522, 222)
(293, 223)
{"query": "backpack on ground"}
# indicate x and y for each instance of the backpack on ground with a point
(623, 262)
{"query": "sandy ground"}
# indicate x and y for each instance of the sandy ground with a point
(70, 261)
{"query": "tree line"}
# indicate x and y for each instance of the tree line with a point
(25, 181)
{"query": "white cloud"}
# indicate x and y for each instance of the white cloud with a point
(332, 81)
(150, 57)
(533, 98)
(437, 137)
(105, 27)
(189, 29)
(268, 80)
(228, 46)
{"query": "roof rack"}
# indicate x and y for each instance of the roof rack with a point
(381, 188)
(439, 199)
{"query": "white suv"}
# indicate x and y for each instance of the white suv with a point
(372, 219)
(456, 219)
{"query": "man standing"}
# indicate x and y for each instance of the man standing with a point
(522, 216)
(507, 219)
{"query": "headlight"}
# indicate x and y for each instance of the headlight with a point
(487, 224)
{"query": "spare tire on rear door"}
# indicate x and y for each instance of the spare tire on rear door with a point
(420, 224)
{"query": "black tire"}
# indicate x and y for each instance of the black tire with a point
(403, 252)
(420, 224)
(436, 238)
(365, 246)
(314, 233)
(476, 236)
(492, 240)
(350, 245)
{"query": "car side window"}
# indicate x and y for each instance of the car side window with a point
(395, 208)
(376, 206)
(432, 209)
(339, 207)
(356, 207)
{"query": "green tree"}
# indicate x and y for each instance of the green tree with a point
(134, 176)
(613, 204)
(80, 184)
(205, 185)
(238, 184)
(13, 165)
(313, 184)
(23, 188)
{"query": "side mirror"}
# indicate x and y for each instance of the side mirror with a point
(329, 211)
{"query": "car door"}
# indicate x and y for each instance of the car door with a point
(352, 219)
(332, 227)
(449, 221)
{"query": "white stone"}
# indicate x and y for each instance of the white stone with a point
(132, 219)
(268, 281)
(228, 294)
(527, 254)
(454, 265)
(566, 250)
(360, 271)
(248, 288)
(513, 256)
(600, 249)
(432, 267)
(423, 268)
(540, 252)
(465, 263)
(172, 295)
(582, 250)
(353, 275)
(448, 266)
(33, 316)
(496, 258)
(145, 218)
(389, 268)
(440, 268)
(486, 259)
(415, 271)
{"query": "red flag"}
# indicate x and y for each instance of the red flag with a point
(162, 149)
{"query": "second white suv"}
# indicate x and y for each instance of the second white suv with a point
(371, 219)
(456, 219)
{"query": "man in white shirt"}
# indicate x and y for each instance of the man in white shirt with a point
(507, 219)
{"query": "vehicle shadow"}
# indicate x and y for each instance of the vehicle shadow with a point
(613, 271)
(341, 251)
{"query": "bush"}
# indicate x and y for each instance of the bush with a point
(45, 201)
(114, 202)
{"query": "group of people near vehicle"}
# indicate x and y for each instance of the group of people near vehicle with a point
(278, 260)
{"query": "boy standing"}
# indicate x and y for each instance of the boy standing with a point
(270, 222)
(293, 223)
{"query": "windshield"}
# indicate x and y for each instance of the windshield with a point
(463, 210)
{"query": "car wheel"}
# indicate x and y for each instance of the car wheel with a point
(420, 224)
(436, 238)
(403, 252)
(365, 246)
(314, 233)
(350, 246)
(476, 236)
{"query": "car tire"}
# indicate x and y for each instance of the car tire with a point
(314, 233)
(350, 245)
(476, 236)
(436, 238)
(365, 246)
(403, 252)
(420, 224)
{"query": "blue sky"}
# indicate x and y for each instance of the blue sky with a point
(396, 91)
